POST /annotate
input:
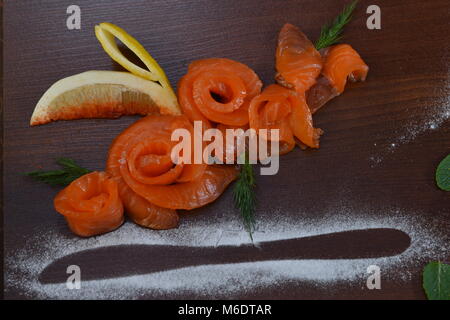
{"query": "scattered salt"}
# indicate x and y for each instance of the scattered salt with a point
(438, 115)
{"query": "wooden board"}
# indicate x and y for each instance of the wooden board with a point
(377, 157)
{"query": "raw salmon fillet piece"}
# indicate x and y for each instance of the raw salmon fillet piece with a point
(280, 108)
(145, 213)
(218, 91)
(297, 61)
(151, 185)
(341, 63)
(91, 204)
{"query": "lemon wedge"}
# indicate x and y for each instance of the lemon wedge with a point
(102, 94)
(107, 32)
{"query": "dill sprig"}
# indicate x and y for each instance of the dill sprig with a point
(70, 171)
(244, 195)
(332, 33)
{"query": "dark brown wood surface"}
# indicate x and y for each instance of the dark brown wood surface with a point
(409, 69)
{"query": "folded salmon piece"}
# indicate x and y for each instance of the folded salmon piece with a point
(297, 61)
(341, 63)
(91, 204)
(286, 110)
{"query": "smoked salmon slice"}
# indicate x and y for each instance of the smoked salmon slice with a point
(320, 93)
(286, 110)
(218, 91)
(152, 187)
(91, 204)
(297, 61)
(341, 62)
(145, 213)
(228, 151)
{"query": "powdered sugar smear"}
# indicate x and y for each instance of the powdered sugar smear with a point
(433, 122)
(436, 115)
(226, 280)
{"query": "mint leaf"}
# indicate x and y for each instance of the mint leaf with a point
(443, 174)
(436, 281)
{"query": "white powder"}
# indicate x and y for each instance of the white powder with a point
(437, 114)
(227, 280)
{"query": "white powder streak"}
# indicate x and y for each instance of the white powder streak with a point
(438, 113)
(227, 280)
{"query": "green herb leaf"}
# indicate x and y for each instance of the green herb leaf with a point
(244, 195)
(332, 33)
(70, 171)
(443, 174)
(436, 281)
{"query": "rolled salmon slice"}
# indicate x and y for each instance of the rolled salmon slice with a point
(297, 61)
(151, 185)
(286, 110)
(218, 91)
(341, 63)
(91, 204)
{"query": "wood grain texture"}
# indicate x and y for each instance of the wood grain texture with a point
(408, 82)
